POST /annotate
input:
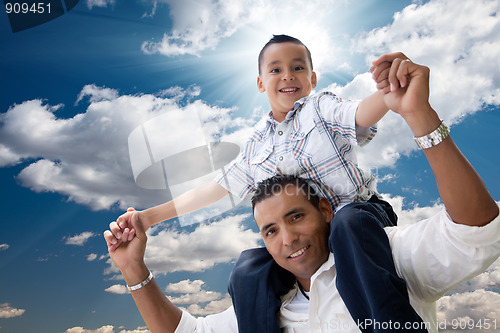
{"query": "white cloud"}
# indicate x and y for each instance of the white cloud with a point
(185, 287)
(213, 307)
(80, 239)
(413, 215)
(106, 329)
(4, 246)
(86, 158)
(192, 292)
(96, 94)
(117, 289)
(200, 25)
(99, 3)
(7, 311)
(200, 297)
(92, 257)
(475, 308)
(197, 251)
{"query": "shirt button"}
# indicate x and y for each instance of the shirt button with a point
(281, 158)
(280, 133)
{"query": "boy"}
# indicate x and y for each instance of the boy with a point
(311, 137)
(316, 144)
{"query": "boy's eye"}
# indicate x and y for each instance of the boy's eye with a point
(299, 68)
(275, 70)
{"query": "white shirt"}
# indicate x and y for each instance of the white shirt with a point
(433, 256)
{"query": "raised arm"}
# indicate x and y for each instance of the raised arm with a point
(373, 108)
(190, 201)
(159, 314)
(464, 194)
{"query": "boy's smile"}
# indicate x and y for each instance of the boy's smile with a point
(286, 76)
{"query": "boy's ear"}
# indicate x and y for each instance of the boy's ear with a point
(260, 85)
(314, 80)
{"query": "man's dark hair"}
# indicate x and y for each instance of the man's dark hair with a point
(283, 39)
(276, 184)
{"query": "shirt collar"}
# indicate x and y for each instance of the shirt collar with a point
(297, 106)
(327, 265)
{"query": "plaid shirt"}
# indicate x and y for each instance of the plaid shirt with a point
(315, 142)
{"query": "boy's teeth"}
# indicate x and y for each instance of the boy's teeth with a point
(289, 90)
(298, 253)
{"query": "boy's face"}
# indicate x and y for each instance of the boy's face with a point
(286, 76)
(295, 231)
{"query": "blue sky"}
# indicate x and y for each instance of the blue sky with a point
(74, 89)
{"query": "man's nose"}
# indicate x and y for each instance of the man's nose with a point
(288, 236)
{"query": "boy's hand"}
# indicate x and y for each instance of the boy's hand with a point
(124, 229)
(127, 252)
(381, 69)
(405, 84)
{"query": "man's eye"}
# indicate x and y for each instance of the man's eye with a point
(296, 217)
(270, 232)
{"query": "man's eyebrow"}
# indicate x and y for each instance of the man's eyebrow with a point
(265, 227)
(287, 214)
(292, 212)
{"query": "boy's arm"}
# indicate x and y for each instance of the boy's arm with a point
(190, 201)
(371, 110)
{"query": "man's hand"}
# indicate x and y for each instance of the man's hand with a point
(404, 83)
(124, 229)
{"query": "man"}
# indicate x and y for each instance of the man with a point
(432, 256)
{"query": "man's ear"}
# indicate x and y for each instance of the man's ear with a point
(314, 80)
(326, 209)
(260, 85)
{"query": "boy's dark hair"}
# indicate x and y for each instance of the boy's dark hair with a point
(283, 39)
(276, 184)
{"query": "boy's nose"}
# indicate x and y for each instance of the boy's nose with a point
(288, 75)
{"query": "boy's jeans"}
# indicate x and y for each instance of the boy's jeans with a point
(366, 277)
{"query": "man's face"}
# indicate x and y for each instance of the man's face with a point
(295, 232)
(286, 75)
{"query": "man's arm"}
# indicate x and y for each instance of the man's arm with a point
(464, 194)
(159, 314)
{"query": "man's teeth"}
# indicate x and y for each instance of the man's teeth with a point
(298, 253)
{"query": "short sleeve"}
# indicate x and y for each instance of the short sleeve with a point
(340, 116)
(236, 178)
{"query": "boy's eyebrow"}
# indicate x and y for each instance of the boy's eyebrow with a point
(276, 62)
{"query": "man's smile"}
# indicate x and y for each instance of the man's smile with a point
(299, 252)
